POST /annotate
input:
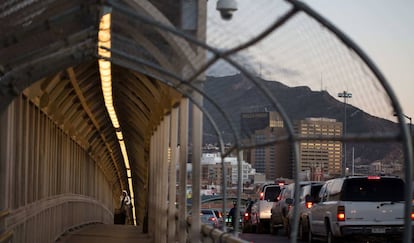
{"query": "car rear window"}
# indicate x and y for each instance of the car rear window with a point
(373, 190)
(315, 190)
(271, 192)
(207, 212)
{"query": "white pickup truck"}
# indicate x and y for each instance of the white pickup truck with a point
(362, 207)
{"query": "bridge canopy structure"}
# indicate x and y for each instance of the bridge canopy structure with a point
(97, 97)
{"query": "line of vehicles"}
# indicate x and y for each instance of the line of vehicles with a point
(338, 210)
(217, 219)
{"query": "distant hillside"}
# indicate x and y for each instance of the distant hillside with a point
(236, 94)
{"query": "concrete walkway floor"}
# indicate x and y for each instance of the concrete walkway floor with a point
(106, 233)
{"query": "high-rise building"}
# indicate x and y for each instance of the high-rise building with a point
(273, 160)
(320, 158)
(260, 127)
(252, 121)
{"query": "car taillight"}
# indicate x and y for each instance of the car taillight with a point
(412, 213)
(261, 196)
(309, 204)
(212, 219)
(341, 213)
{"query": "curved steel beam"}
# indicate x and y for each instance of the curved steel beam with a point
(172, 75)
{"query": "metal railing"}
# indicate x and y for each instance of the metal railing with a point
(210, 234)
(7, 235)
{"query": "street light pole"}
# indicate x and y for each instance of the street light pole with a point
(346, 95)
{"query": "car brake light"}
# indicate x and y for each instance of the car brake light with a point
(374, 177)
(412, 213)
(246, 214)
(309, 204)
(261, 196)
(212, 219)
(341, 213)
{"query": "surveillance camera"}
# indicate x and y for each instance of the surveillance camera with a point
(226, 8)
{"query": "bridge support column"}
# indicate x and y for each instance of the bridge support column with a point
(152, 192)
(182, 200)
(163, 183)
(197, 136)
(172, 177)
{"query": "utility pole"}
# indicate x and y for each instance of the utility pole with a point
(346, 95)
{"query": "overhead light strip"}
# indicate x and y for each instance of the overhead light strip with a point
(104, 40)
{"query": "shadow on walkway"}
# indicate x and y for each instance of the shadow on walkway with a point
(106, 233)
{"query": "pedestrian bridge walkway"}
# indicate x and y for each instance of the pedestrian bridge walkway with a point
(106, 233)
(113, 233)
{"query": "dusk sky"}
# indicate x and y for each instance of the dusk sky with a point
(383, 29)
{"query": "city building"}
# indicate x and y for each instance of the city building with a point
(212, 171)
(273, 160)
(260, 127)
(252, 121)
(387, 168)
(322, 159)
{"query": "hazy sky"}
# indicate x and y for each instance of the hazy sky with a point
(384, 29)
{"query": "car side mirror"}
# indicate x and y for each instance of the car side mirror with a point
(308, 198)
(325, 197)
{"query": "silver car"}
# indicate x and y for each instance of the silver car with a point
(208, 216)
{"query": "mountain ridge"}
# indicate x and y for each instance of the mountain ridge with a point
(299, 103)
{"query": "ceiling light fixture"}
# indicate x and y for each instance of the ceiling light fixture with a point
(104, 40)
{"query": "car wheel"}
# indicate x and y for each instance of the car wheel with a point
(260, 228)
(310, 237)
(272, 229)
(247, 228)
(330, 237)
(253, 228)
(287, 229)
(302, 233)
